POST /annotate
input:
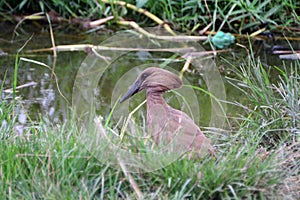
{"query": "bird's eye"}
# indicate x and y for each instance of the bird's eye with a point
(144, 76)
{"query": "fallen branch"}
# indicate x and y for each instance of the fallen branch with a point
(286, 51)
(10, 90)
(142, 11)
(85, 47)
(295, 56)
(176, 38)
(99, 22)
(56, 18)
(203, 53)
(255, 36)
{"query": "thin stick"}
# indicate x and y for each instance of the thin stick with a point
(295, 56)
(47, 155)
(186, 66)
(98, 22)
(129, 117)
(10, 90)
(143, 11)
(257, 37)
(132, 182)
(285, 51)
(162, 37)
(43, 64)
(256, 33)
(205, 28)
(83, 47)
(203, 53)
(51, 36)
(21, 21)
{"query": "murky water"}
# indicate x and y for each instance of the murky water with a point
(41, 99)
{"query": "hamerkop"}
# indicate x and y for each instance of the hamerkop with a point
(166, 124)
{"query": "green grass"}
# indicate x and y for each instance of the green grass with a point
(227, 15)
(258, 160)
(274, 104)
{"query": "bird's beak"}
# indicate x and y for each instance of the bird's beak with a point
(134, 88)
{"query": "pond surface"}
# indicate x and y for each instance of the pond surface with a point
(41, 99)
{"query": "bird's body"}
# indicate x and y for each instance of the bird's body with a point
(167, 125)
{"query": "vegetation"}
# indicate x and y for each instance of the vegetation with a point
(258, 157)
(229, 15)
(259, 161)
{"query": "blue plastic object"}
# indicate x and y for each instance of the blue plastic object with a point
(222, 40)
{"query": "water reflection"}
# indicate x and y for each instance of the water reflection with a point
(42, 100)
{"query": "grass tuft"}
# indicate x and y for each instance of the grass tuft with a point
(259, 161)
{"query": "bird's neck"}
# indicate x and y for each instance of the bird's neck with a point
(154, 97)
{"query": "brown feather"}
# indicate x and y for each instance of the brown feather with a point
(167, 125)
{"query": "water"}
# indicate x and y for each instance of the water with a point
(42, 98)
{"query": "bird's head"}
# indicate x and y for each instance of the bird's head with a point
(156, 79)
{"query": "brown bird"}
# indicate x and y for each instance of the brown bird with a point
(166, 124)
